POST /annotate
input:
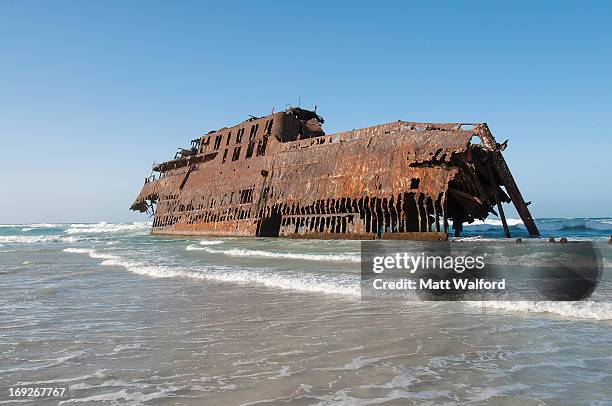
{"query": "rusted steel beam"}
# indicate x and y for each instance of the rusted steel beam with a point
(504, 171)
(503, 219)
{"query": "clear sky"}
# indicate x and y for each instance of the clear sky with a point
(92, 92)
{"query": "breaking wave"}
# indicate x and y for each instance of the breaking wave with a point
(548, 224)
(576, 224)
(34, 225)
(493, 223)
(211, 242)
(91, 252)
(107, 228)
(328, 284)
(36, 239)
(581, 310)
(241, 252)
(192, 247)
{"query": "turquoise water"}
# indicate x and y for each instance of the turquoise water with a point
(582, 228)
(123, 317)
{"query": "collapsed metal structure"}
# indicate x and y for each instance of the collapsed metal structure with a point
(281, 175)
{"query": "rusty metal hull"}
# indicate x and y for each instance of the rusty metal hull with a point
(282, 176)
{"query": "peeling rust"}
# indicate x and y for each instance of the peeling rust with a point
(281, 175)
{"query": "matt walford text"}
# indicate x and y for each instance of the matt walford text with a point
(413, 266)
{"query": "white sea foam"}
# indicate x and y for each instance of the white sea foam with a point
(211, 242)
(108, 228)
(494, 222)
(192, 247)
(35, 225)
(91, 252)
(36, 239)
(581, 310)
(99, 373)
(342, 397)
(303, 283)
(551, 224)
(474, 238)
(78, 250)
(306, 282)
(356, 363)
(125, 347)
(124, 396)
(240, 252)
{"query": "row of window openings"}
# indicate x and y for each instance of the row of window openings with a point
(245, 196)
(261, 150)
(240, 134)
(236, 214)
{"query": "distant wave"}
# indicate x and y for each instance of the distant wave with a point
(45, 225)
(476, 238)
(240, 252)
(107, 228)
(305, 282)
(581, 309)
(34, 225)
(575, 224)
(547, 224)
(36, 239)
(493, 223)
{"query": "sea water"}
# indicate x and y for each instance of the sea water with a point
(119, 316)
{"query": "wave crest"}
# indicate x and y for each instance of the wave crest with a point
(241, 252)
(211, 242)
(104, 227)
(547, 224)
(36, 239)
(581, 310)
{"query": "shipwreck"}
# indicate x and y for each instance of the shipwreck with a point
(282, 176)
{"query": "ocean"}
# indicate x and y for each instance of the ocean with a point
(121, 317)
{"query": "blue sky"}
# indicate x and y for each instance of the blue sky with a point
(91, 93)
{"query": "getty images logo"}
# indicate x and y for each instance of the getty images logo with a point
(412, 263)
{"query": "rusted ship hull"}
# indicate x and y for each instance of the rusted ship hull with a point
(280, 175)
